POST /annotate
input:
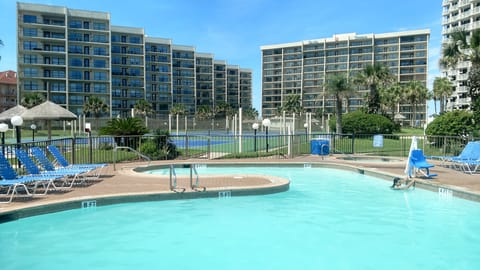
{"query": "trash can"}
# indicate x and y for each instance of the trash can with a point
(319, 147)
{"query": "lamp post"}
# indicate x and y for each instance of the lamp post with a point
(17, 121)
(3, 129)
(255, 127)
(33, 127)
(306, 131)
(266, 123)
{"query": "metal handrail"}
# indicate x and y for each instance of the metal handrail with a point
(130, 149)
(173, 180)
(196, 187)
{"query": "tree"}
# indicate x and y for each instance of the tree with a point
(143, 108)
(33, 99)
(178, 109)
(464, 47)
(415, 93)
(95, 107)
(442, 89)
(250, 113)
(293, 104)
(374, 76)
(339, 86)
(391, 97)
(204, 112)
(123, 129)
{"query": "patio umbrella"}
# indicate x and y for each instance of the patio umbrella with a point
(48, 111)
(8, 114)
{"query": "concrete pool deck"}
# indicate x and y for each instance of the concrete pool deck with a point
(125, 185)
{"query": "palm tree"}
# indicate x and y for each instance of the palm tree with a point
(204, 112)
(339, 86)
(250, 113)
(293, 104)
(415, 93)
(442, 89)
(391, 97)
(464, 47)
(95, 107)
(33, 99)
(143, 108)
(374, 76)
(178, 109)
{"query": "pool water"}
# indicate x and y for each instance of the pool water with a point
(329, 219)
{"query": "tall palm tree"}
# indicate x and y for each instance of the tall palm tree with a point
(143, 108)
(415, 93)
(33, 99)
(250, 113)
(442, 89)
(373, 76)
(391, 97)
(95, 107)
(464, 47)
(178, 109)
(339, 86)
(293, 104)
(204, 112)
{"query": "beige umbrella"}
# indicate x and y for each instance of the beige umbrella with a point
(48, 111)
(8, 114)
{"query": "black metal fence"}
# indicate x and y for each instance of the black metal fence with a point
(103, 149)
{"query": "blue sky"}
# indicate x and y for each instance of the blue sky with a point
(234, 30)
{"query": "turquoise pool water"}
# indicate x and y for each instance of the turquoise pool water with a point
(329, 219)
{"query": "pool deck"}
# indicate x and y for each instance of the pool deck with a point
(123, 182)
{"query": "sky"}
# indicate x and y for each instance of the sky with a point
(234, 30)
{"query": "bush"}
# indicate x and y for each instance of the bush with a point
(454, 123)
(160, 147)
(363, 123)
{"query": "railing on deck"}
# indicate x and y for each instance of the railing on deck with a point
(101, 149)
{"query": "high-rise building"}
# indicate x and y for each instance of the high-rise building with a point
(70, 55)
(459, 15)
(301, 68)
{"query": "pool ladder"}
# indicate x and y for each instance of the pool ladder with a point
(194, 186)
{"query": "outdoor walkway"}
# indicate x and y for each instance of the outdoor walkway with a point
(123, 181)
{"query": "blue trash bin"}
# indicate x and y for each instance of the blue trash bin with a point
(315, 147)
(319, 147)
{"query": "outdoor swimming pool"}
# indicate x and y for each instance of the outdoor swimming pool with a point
(329, 219)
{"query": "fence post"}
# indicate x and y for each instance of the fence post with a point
(353, 143)
(73, 150)
(186, 146)
(90, 148)
(208, 148)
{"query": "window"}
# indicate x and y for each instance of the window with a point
(99, 51)
(58, 61)
(75, 74)
(75, 62)
(75, 24)
(99, 26)
(29, 45)
(30, 85)
(136, 40)
(29, 18)
(100, 38)
(58, 74)
(100, 88)
(58, 86)
(29, 59)
(75, 37)
(100, 76)
(30, 72)
(30, 32)
(76, 87)
(99, 63)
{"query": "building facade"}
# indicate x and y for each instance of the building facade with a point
(8, 90)
(301, 68)
(70, 55)
(459, 15)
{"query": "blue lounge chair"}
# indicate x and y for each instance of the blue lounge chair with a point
(62, 161)
(467, 151)
(420, 164)
(71, 173)
(63, 175)
(13, 183)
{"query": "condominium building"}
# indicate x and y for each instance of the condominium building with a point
(70, 55)
(459, 15)
(301, 68)
(8, 89)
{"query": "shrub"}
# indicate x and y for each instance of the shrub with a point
(364, 123)
(454, 123)
(160, 147)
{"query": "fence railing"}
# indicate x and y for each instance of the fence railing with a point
(260, 146)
